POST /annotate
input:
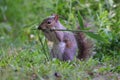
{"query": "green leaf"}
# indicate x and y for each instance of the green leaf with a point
(80, 21)
(96, 37)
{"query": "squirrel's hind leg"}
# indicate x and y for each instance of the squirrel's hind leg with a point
(69, 54)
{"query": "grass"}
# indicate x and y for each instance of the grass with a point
(27, 63)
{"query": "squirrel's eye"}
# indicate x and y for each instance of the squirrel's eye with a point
(48, 22)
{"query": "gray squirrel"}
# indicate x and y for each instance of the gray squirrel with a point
(65, 44)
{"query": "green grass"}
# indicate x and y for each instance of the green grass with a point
(27, 63)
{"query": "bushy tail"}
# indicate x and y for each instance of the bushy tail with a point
(85, 45)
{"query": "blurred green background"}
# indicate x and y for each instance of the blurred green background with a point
(18, 42)
(18, 17)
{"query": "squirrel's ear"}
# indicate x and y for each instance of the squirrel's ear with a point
(56, 18)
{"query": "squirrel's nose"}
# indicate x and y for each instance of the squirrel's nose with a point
(39, 28)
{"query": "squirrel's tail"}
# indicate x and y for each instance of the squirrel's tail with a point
(85, 45)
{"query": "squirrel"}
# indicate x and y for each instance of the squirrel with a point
(65, 44)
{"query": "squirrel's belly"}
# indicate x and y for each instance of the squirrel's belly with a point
(51, 36)
(58, 50)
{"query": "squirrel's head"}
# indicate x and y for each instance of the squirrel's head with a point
(49, 23)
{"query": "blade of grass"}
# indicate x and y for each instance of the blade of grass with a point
(80, 21)
(93, 35)
(96, 37)
(43, 47)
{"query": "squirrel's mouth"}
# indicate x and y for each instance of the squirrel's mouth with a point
(39, 28)
(44, 30)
